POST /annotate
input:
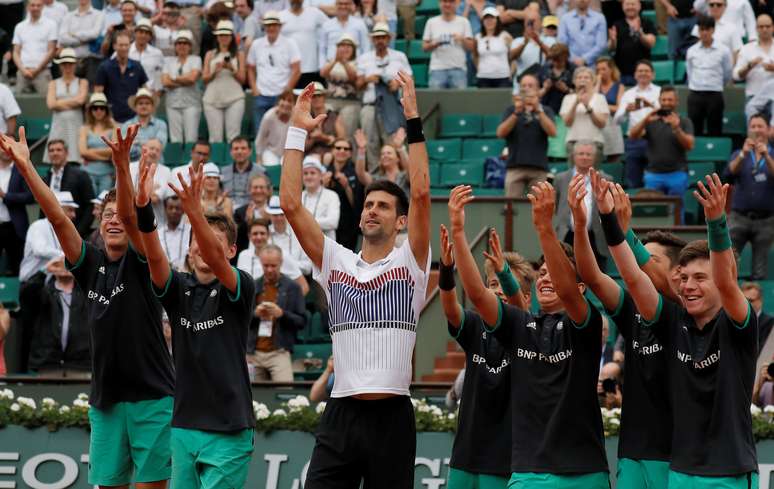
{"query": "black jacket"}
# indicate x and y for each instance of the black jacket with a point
(16, 199)
(77, 182)
(291, 300)
(46, 349)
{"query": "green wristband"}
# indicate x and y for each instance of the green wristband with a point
(718, 237)
(641, 254)
(507, 281)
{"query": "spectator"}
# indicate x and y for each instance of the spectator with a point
(611, 88)
(191, 12)
(34, 46)
(249, 259)
(200, 154)
(96, 238)
(270, 140)
(609, 386)
(175, 233)
(341, 75)
(273, 67)
(112, 13)
(60, 342)
(321, 202)
(14, 197)
(224, 75)
(11, 14)
(755, 63)
(120, 78)
(448, 36)
(680, 23)
(281, 234)
(473, 10)
(170, 22)
(556, 77)
(530, 50)
(54, 10)
(584, 156)
(5, 327)
(753, 292)
(341, 177)
(585, 112)
(9, 110)
(389, 165)
(491, 51)
(751, 171)
(65, 98)
(245, 24)
(632, 39)
(584, 31)
(365, 10)
(342, 23)
(263, 7)
(41, 245)
(70, 179)
(213, 197)
(279, 315)
(144, 104)
(320, 140)
(303, 24)
(323, 386)
(526, 127)
(127, 25)
(260, 191)
(708, 66)
(381, 114)
(79, 29)
(151, 58)
(183, 99)
(727, 34)
(151, 150)
(763, 391)
(95, 153)
(669, 137)
(513, 13)
(407, 10)
(636, 104)
(219, 12)
(739, 13)
(235, 178)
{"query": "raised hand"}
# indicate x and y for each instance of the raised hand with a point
(122, 145)
(496, 257)
(712, 196)
(447, 248)
(360, 139)
(18, 151)
(623, 206)
(190, 195)
(145, 182)
(409, 96)
(543, 199)
(601, 189)
(301, 116)
(576, 193)
(460, 196)
(399, 137)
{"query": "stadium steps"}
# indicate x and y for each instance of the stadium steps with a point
(448, 366)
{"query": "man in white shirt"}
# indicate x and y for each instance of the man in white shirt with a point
(79, 29)
(448, 36)
(245, 24)
(263, 7)
(9, 109)
(34, 46)
(725, 33)
(755, 63)
(281, 234)
(738, 13)
(171, 22)
(303, 25)
(343, 23)
(636, 103)
(379, 66)
(322, 203)
(150, 57)
(54, 10)
(152, 149)
(529, 51)
(249, 259)
(273, 67)
(175, 234)
(41, 244)
(271, 134)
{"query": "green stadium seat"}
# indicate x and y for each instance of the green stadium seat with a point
(664, 72)
(460, 125)
(697, 171)
(691, 209)
(463, 173)
(419, 25)
(420, 74)
(710, 149)
(651, 209)
(219, 154)
(557, 148)
(489, 125)
(428, 8)
(247, 128)
(615, 170)
(401, 44)
(679, 72)
(744, 267)
(317, 333)
(316, 354)
(734, 123)
(660, 50)
(173, 154)
(435, 174)
(273, 172)
(482, 148)
(556, 168)
(767, 290)
(9, 291)
(444, 149)
(650, 15)
(37, 128)
(42, 169)
(416, 53)
(488, 192)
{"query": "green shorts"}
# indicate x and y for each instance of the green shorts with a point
(130, 439)
(531, 480)
(460, 479)
(642, 474)
(206, 459)
(688, 481)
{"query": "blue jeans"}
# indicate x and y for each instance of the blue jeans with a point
(261, 104)
(671, 183)
(678, 31)
(635, 161)
(451, 78)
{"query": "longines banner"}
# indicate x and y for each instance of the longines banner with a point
(38, 459)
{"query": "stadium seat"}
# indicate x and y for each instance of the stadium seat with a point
(219, 154)
(734, 123)
(556, 145)
(314, 355)
(767, 290)
(420, 74)
(489, 125)
(419, 25)
(664, 72)
(460, 125)
(651, 209)
(697, 171)
(615, 170)
(482, 148)
(173, 154)
(556, 168)
(710, 149)
(444, 149)
(273, 172)
(415, 52)
(401, 44)
(9, 291)
(660, 50)
(488, 192)
(466, 172)
(744, 266)
(435, 174)
(691, 209)
(42, 169)
(679, 76)
(37, 128)
(428, 8)
(650, 15)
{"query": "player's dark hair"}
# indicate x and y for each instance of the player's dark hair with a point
(670, 241)
(224, 223)
(401, 201)
(695, 250)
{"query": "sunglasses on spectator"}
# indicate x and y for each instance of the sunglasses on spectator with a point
(343, 148)
(717, 5)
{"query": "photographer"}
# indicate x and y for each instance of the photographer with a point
(555, 77)
(763, 392)
(609, 386)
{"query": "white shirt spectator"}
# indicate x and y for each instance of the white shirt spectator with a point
(163, 174)
(164, 38)
(388, 8)
(272, 63)
(270, 140)
(708, 69)
(262, 6)
(388, 67)
(758, 76)
(305, 30)
(150, 5)
(738, 13)
(33, 37)
(290, 247)
(320, 4)
(531, 54)
(175, 243)
(331, 32)
(78, 29)
(248, 29)
(630, 96)
(54, 12)
(250, 263)
(152, 61)
(493, 56)
(325, 207)
(40, 247)
(5, 180)
(583, 127)
(449, 54)
(8, 107)
(727, 34)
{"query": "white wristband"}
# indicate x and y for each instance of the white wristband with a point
(296, 138)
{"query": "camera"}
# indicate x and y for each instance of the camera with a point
(609, 385)
(770, 370)
(663, 112)
(227, 58)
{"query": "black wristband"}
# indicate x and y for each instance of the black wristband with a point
(146, 219)
(446, 277)
(612, 230)
(414, 132)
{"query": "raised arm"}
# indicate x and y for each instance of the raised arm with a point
(543, 198)
(361, 172)
(508, 281)
(418, 172)
(451, 306)
(309, 234)
(712, 197)
(65, 229)
(154, 253)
